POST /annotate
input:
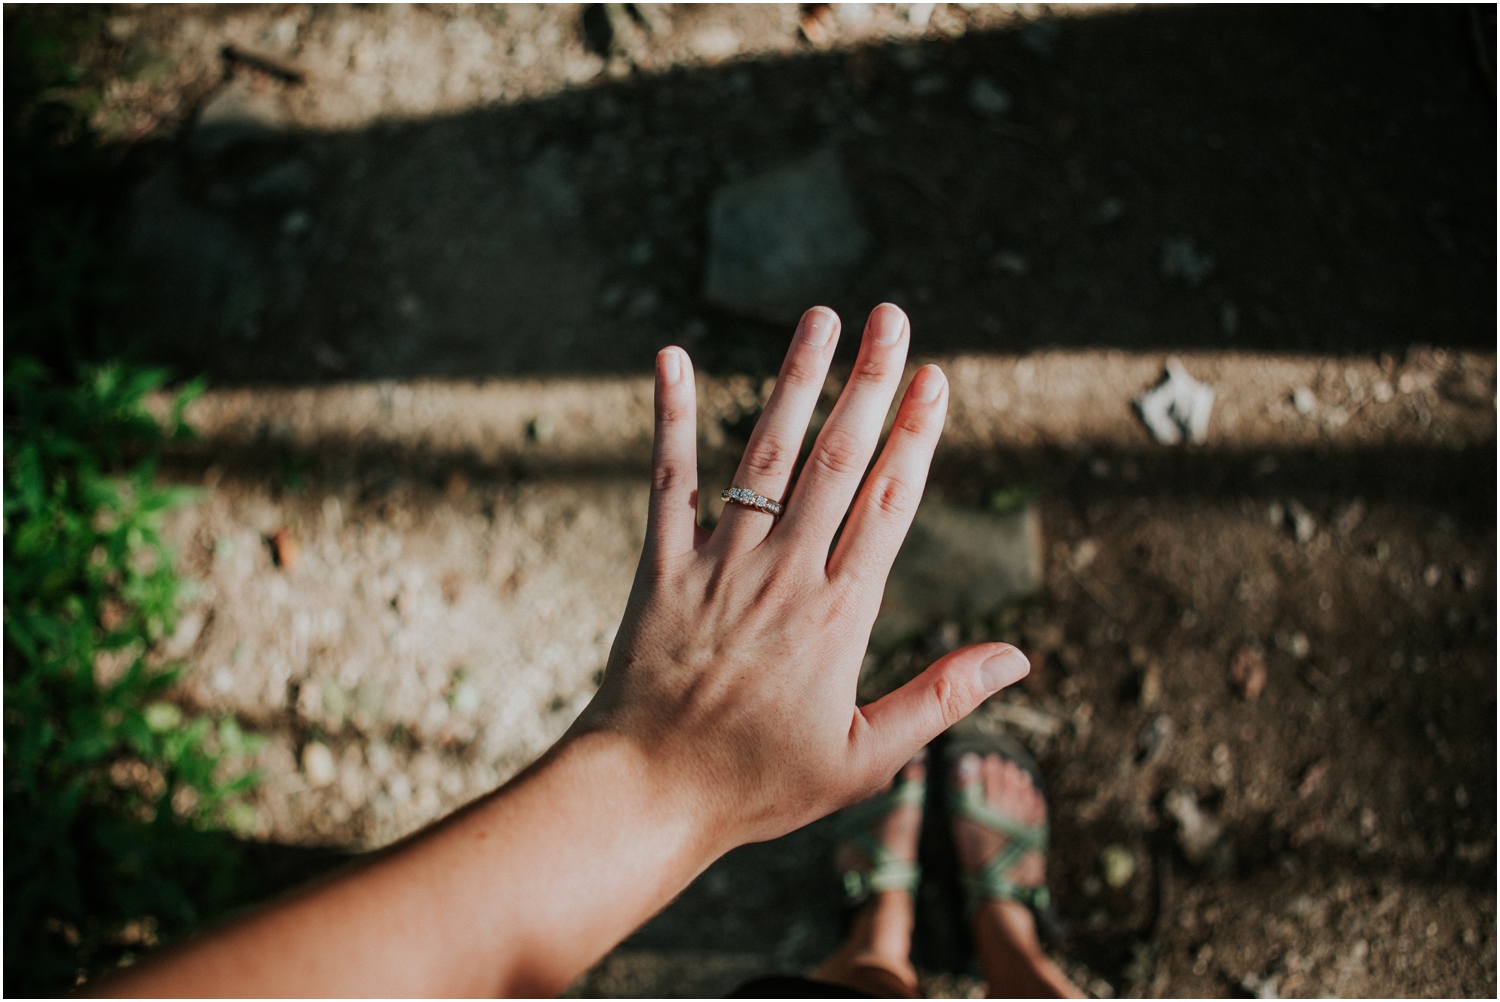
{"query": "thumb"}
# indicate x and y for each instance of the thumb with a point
(950, 689)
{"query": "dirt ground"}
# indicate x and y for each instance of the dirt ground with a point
(1264, 667)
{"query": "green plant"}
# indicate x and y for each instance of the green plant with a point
(116, 803)
(111, 792)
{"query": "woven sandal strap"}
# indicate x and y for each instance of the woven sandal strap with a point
(978, 889)
(972, 805)
(856, 825)
(888, 875)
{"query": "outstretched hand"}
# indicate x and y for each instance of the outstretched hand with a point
(736, 666)
(727, 715)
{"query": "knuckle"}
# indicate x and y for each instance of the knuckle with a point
(871, 369)
(839, 453)
(951, 701)
(912, 421)
(767, 456)
(674, 411)
(801, 370)
(889, 496)
(668, 475)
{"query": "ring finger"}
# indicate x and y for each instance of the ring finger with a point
(766, 467)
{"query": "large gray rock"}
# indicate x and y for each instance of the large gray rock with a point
(958, 564)
(783, 241)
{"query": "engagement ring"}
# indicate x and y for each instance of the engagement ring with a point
(753, 500)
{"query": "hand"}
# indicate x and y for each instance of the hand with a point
(736, 665)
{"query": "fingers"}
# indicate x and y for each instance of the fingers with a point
(883, 511)
(949, 690)
(673, 515)
(848, 439)
(766, 467)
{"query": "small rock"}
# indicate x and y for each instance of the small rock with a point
(1150, 686)
(1197, 831)
(318, 765)
(1433, 575)
(1349, 517)
(284, 184)
(1304, 525)
(1084, 554)
(1154, 738)
(987, 98)
(1312, 778)
(920, 14)
(958, 563)
(783, 240)
(1118, 865)
(540, 428)
(1223, 765)
(1181, 260)
(1229, 320)
(1296, 644)
(1305, 400)
(284, 549)
(1178, 408)
(1010, 263)
(1248, 672)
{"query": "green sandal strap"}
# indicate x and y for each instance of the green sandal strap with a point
(887, 875)
(856, 825)
(992, 881)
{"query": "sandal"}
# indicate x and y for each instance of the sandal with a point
(857, 824)
(992, 881)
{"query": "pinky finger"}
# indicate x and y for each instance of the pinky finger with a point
(673, 522)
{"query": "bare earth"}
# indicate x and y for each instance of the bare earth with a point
(427, 255)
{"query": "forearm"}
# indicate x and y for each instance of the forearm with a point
(516, 895)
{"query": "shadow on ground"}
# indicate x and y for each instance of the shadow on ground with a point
(1297, 180)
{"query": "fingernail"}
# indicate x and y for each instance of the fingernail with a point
(817, 328)
(887, 324)
(999, 671)
(669, 365)
(929, 383)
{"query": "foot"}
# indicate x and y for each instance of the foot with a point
(898, 831)
(1009, 790)
(876, 956)
(1010, 953)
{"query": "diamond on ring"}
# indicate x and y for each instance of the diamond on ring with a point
(750, 499)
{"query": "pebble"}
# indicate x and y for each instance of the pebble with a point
(1118, 865)
(1305, 400)
(1197, 831)
(1154, 738)
(318, 765)
(1182, 260)
(1248, 672)
(988, 98)
(285, 549)
(1304, 525)
(1178, 408)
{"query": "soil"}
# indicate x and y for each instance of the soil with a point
(1264, 666)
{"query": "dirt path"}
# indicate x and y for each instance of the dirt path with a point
(425, 254)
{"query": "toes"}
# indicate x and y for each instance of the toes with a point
(968, 770)
(994, 779)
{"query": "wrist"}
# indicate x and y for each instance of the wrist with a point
(643, 790)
